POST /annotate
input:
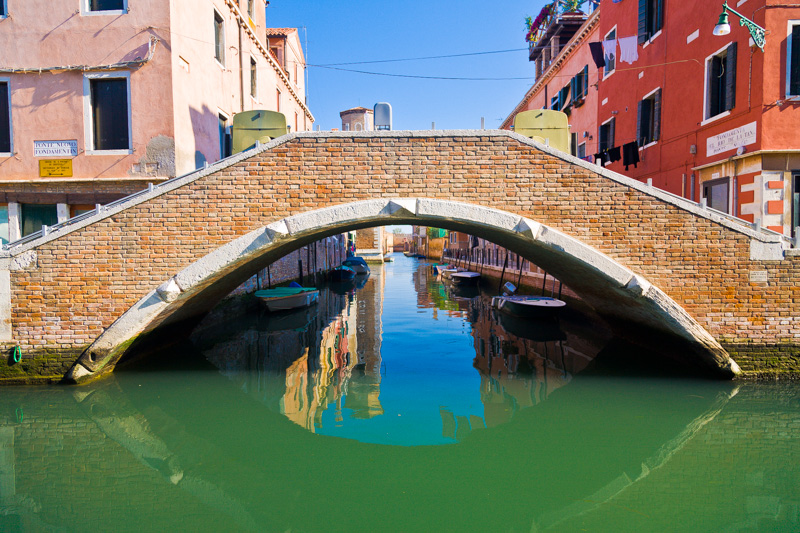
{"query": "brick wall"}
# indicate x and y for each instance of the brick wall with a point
(89, 277)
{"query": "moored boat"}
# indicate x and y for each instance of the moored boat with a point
(465, 278)
(341, 273)
(358, 264)
(529, 306)
(284, 298)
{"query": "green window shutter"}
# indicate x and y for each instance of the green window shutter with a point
(573, 87)
(730, 78)
(657, 115)
(659, 22)
(611, 133)
(643, 36)
(586, 79)
(639, 125)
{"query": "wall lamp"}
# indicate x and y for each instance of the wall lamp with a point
(723, 28)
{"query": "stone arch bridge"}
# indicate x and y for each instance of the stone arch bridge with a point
(78, 297)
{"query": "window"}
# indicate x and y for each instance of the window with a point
(4, 236)
(793, 60)
(606, 135)
(80, 209)
(716, 194)
(105, 7)
(110, 113)
(5, 118)
(651, 19)
(582, 150)
(3, 9)
(253, 78)
(648, 123)
(34, 216)
(721, 81)
(278, 100)
(579, 86)
(219, 38)
(297, 121)
(251, 8)
(225, 140)
(573, 144)
(611, 61)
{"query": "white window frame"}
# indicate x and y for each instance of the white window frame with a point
(253, 61)
(705, 88)
(224, 40)
(88, 130)
(598, 131)
(87, 12)
(10, 118)
(616, 56)
(790, 24)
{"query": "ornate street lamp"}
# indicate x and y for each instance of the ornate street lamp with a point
(723, 28)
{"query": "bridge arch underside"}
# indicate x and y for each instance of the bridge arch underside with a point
(633, 307)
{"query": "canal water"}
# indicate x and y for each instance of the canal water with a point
(398, 404)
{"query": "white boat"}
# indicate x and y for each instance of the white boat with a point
(529, 306)
(284, 298)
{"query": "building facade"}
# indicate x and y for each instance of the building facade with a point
(98, 98)
(706, 117)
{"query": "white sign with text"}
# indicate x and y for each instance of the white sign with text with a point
(731, 140)
(55, 148)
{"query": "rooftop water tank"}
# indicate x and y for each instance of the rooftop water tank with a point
(382, 113)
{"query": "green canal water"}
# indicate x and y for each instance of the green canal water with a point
(397, 404)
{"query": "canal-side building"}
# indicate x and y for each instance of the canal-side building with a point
(706, 117)
(100, 98)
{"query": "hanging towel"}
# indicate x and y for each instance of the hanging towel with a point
(630, 154)
(597, 54)
(614, 154)
(610, 49)
(628, 49)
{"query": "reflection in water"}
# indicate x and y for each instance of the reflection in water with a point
(321, 366)
(216, 450)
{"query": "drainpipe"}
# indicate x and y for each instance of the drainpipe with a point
(241, 67)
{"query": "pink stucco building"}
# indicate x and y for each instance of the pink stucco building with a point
(98, 98)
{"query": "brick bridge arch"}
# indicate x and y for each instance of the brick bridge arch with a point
(80, 295)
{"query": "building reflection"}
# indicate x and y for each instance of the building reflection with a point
(308, 361)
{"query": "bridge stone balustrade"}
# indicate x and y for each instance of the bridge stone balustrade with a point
(649, 262)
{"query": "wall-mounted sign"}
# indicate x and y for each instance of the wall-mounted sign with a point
(758, 276)
(731, 140)
(55, 148)
(55, 168)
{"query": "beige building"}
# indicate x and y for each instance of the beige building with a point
(97, 102)
(357, 119)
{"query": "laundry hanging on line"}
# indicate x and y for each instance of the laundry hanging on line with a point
(628, 49)
(597, 54)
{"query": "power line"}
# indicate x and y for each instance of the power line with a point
(422, 58)
(414, 76)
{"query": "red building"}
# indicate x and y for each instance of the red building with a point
(713, 118)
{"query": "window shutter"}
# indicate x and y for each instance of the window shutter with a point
(573, 87)
(611, 133)
(659, 15)
(643, 22)
(639, 121)
(794, 66)
(657, 115)
(5, 128)
(730, 78)
(586, 73)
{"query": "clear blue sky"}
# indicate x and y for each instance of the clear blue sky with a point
(369, 30)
